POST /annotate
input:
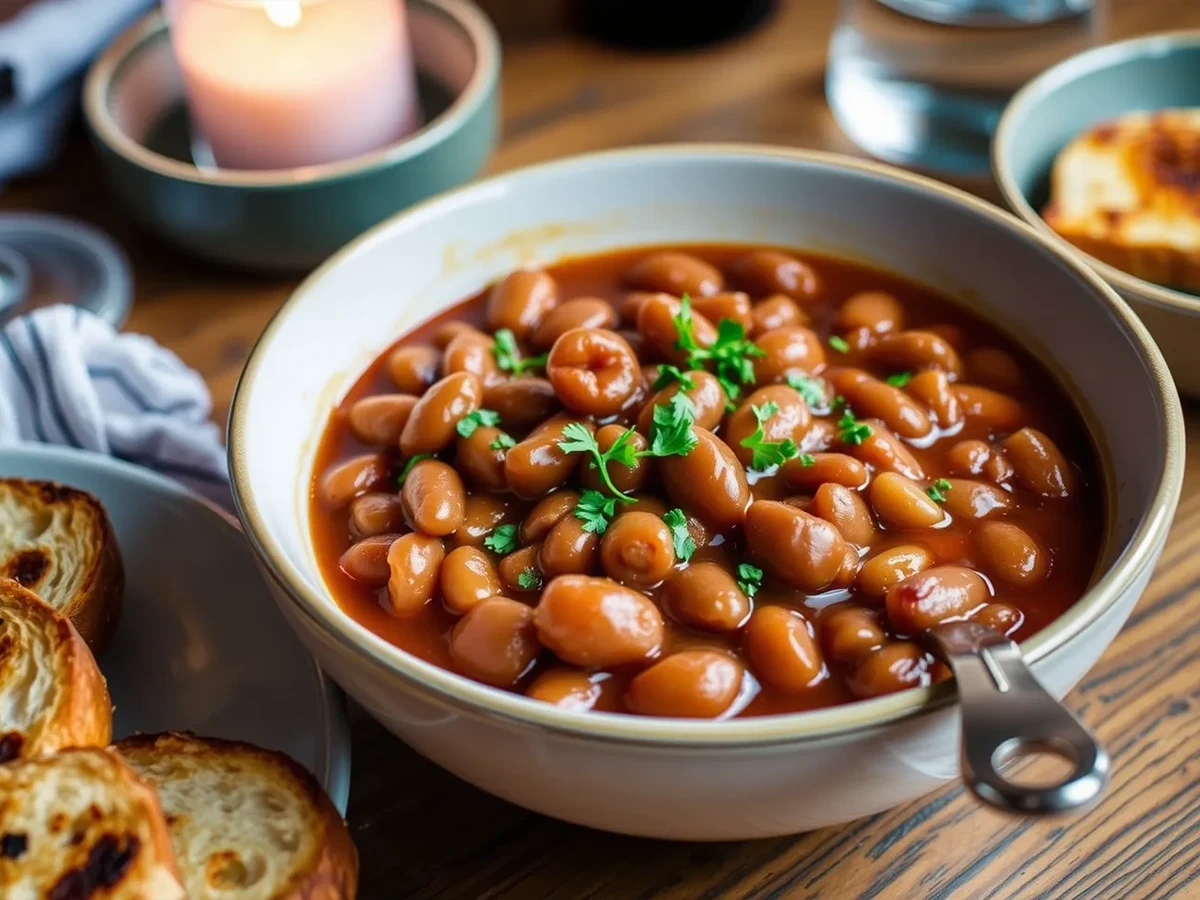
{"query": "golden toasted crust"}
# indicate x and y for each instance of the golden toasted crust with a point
(194, 774)
(1128, 193)
(57, 541)
(56, 696)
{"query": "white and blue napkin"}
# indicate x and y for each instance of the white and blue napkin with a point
(67, 377)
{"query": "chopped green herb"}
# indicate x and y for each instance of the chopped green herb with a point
(595, 511)
(937, 491)
(681, 537)
(852, 431)
(900, 379)
(807, 459)
(408, 466)
(808, 388)
(508, 354)
(749, 579)
(502, 442)
(471, 421)
(767, 453)
(578, 439)
(731, 353)
(529, 580)
(502, 540)
(840, 344)
(838, 401)
(672, 431)
(668, 374)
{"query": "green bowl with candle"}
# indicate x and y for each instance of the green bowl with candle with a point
(288, 219)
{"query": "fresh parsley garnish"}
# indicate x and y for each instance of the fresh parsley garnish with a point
(578, 439)
(508, 354)
(502, 442)
(767, 453)
(937, 491)
(502, 540)
(807, 459)
(808, 388)
(529, 580)
(749, 579)
(672, 431)
(681, 537)
(595, 511)
(668, 373)
(850, 430)
(471, 421)
(900, 379)
(408, 467)
(840, 344)
(731, 353)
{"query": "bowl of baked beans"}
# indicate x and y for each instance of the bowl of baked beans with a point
(630, 487)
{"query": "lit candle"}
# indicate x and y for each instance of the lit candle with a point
(276, 84)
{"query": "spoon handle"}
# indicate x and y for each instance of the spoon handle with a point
(1007, 714)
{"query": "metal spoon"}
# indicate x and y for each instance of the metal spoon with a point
(1007, 714)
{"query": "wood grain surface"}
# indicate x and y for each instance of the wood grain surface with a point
(422, 833)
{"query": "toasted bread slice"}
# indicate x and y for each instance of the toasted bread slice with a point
(247, 823)
(81, 824)
(57, 542)
(1128, 192)
(52, 695)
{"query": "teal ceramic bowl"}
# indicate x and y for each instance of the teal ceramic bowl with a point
(289, 219)
(1148, 73)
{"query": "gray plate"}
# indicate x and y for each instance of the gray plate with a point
(201, 646)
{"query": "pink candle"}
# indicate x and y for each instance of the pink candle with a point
(275, 84)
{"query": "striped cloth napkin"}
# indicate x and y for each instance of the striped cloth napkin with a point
(67, 377)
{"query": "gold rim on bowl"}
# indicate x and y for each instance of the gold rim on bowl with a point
(465, 696)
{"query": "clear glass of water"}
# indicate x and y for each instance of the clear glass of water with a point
(922, 83)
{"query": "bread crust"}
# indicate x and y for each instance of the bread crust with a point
(52, 513)
(77, 711)
(330, 873)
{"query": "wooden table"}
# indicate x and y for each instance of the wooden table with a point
(422, 833)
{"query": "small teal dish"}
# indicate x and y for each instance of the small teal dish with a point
(288, 220)
(1149, 73)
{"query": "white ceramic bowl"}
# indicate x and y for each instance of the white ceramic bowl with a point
(660, 777)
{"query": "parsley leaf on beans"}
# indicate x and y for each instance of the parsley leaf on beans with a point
(937, 491)
(681, 537)
(502, 442)
(767, 454)
(408, 467)
(852, 431)
(595, 511)
(668, 374)
(731, 353)
(749, 579)
(502, 540)
(508, 354)
(468, 424)
(899, 379)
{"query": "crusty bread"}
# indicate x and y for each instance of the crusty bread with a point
(57, 542)
(1127, 191)
(81, 824)
(51, 693)
(247, 823)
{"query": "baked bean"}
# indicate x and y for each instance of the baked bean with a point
(893, 667)
(882, 450)
(583, 312)
(789, 422)
(597, 623)
(781, 648)
(871, 397)
(1039, 465)
(966, 499)
(912, 351)
(376, 513)
(1000, 617)
(480, 458)
(656, 323)
(859, 339)
(951, 334)
(997, 411)
(519, 301)
(849, 569)
(732, 305)
(836, 468)
(431, 425)
(471, 351)
(521, 402)
(932, 387)
(566, 689)
(937, 595)
(495, 642)
(367, 561)
(568, 549)
(537, 465)
(448, 331)
(412, 369)
(706, 394)
(674, 273)
(709, 482)
(977, 458)
(633, 303)
(901, 503)
(433, 498)
(994, 368)
(638, 344)
(546, 514)
(379, 420)
(846, 510)
(646, 503)
(523, 562)
(849, 633)
(874, 311)
(799, 548)
(692, 684)
(481, 514)
(1010, 553)
(356, 476)
(468, 578)
(414, 561)
(879, 573)
(593, 371)
(821, 435)
(763, 272)
(776, 311)
(627, 479)
(787, 350)
(637, 550)
(705, 595)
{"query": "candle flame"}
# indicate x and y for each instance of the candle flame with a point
(284, 13)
